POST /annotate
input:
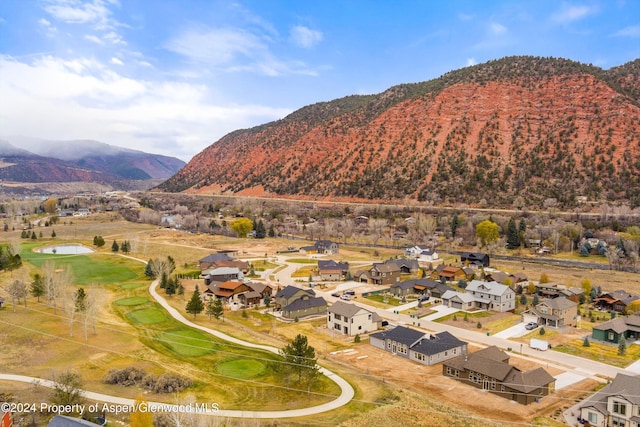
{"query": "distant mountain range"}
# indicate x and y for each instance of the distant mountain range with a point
(514, 131)
(30, 160)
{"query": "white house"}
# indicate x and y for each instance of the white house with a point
(352, 320)
(422, 253)
(491, 296)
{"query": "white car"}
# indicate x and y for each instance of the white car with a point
(345, 297)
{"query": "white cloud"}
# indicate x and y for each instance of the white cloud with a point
(114, 38)
(79, 12)
(569, 13)
(304, 36)
(94, 39)
(218, 46)
(82, 98)
(116, 61)
(631, 31)
(497, 29)
(48, 27)
(234, 50)
(471, 61)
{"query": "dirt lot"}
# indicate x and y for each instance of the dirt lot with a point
(379, 364)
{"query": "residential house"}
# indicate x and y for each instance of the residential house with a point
(460, 300)
(330, 270)
(418, 346)
(291, 293)
(349, 319)
(555, 290)
(6, 420)
(492, 295)
(553, 312)
(305, 306)
(255, 294)
(65, 421)
(617, 404)
(502, 277)
(617, 328)
(474, 259)
(448, 273)
(227, 290)
(489, 369)
(617, 301)
(222, 274)
(422, 253)
(406, 266)
(321, 247)
(210, 261)
(379, 274)
(420, 287)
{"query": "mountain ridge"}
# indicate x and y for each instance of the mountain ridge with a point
(518, 127)
(40, 160)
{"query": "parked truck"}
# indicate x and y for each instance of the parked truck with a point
(537, 344)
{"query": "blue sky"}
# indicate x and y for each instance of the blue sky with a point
(171, 77)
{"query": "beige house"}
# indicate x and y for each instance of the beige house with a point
(553, 312)
(352, 320)
(617, 404)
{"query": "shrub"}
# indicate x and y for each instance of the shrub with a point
(356, 339)
(125, 377)
(586, 342)
(166, 383)
(542, 331)
(479, 325)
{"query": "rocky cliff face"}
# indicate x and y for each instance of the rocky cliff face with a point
(514, 131)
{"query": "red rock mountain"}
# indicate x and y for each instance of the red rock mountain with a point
(517, 130)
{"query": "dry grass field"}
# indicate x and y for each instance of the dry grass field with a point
(402, 393)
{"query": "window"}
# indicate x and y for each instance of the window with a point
(338, 317)
(618, 422)
(619, 408)
(610, 338)
(592, 417)
(359, 327)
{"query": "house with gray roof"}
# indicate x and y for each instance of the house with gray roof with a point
(617, 301)
(492, 295)
(615, 329)
(321, 247)
(489, 369)
(379, 274)
(350, 319)
(304, 307)
(460, 300)
(419, 346)
(617, 404)
(291, 293)
(331, 270)
(222, 274)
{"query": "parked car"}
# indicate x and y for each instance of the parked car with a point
(423, 298)
(530, 326)
(336, 294)
(350, 292)
(346, 297)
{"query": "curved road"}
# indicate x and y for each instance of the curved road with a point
(347, 392)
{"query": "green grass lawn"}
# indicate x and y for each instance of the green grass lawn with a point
(302, 260)
(241, 368)
(88, 269)
(380, 299)
(186, 342)
(147, 316)
(460, 316)
(131, 301)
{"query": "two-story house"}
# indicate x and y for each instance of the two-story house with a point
(617, 404)
(321, 247)
(222, 274)
(379, 274)
(492, 295)
(330, 270)
(299, 303)
(553, 312)
(448, 273)
(349, 319)
(489, 369)
(616, 301)
(422, 253)
(418, 346)
(474, 259)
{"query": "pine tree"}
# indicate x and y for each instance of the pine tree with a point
(195, 305)
(513, 240)
(622, 346)
(148, 271)
(218, 309)
(115, 247)
(180, 288)
(272, 231)
(455, 223)
(37, 286)
(261, 232)
(210, 308)
(163, 281)
(171, 287)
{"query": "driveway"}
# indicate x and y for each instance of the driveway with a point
(441, 311)
(515, 331)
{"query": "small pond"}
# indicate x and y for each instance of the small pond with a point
(66, 250)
